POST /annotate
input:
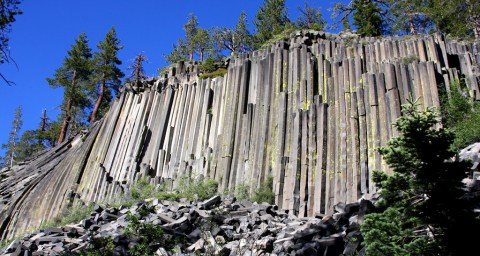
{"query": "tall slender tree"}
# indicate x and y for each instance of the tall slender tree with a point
(138, 74)
(191, 30)
(11, 147)
(202, 42)
(8, 11)
(107, 73)
(271, 19)
(74, 77)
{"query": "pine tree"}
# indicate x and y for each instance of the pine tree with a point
(191, 30)
(10, 157)
(179, 52)
(107, 72)
(138, 74)
(426, 212)
(409, 16)
(310, 18)
(74, 77)
(459, 18)
(271, 19)
(369, 16)
(238, 40)
(29, 145)
(8, 11)
(202, 42)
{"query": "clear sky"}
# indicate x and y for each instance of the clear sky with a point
(45, 31)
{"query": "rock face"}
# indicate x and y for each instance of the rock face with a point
(224, 228)
(309, 111)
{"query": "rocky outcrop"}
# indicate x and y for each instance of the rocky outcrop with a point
(214, 227)
(310, 111)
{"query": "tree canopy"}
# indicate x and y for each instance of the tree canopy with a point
(107, 74)
(271, 19)
(74, 77)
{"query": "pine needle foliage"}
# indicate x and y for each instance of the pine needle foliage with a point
(426, 208)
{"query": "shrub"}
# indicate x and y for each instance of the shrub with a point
(99, 246)
(69, 216)
(196, 189)
(265, 192)
(209, 65)
(461, 115)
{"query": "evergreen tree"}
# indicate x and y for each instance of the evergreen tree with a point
(410, 16)
(179, 52)
(427, 211)
(73, 76)
(8, 11)
(369, 16)
(138, 74)
(107, 72)
(310, 18)
(10, 157)
(191, 30)
(459, 18)
(238, 40)
(202, 42)
(271, 19)
(29, 145)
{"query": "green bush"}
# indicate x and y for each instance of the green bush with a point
(146, 234)
(69, 216)
(209, 65)
(265, 192)
(99, 246)
(461, 114)
(196, 189)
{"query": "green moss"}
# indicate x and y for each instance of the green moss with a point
(213, 74)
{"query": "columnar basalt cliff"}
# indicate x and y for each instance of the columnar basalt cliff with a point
(309, 111)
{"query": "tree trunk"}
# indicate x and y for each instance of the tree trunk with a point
(413, 30)
(66, 121)
(68, 109)
(201, 56)
(99, 100)
(191, 56)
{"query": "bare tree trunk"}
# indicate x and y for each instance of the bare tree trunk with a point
(201, 56)
(12, 155)
(413, 29)
(66, 121)
(44, 120)
(93, 116)
(68, 110)
(191, 56)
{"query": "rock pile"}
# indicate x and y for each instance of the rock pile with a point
(214, 227)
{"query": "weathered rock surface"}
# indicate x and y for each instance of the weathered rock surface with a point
(228, 228)
(309, 111)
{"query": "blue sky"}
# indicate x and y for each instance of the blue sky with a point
(45, 31)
